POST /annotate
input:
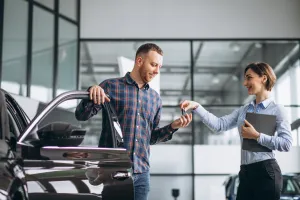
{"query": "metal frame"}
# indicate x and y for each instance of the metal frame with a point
(55, 45)
(54, 103)
(29, 47)
(57, 16)
(1, 35)
(193, 122)
(78, 45)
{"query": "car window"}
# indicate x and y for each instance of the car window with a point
(65, 113)
(290, 186)
(13, 127)
(236, 185)
(17, 120)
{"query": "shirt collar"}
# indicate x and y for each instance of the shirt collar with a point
(264, 104)
(130, 81)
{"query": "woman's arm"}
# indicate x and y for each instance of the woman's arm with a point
(215, 123)
(283, 140)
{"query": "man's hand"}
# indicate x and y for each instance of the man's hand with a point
(249, 132)
(187, 105)
(98, 95)
(183, 121)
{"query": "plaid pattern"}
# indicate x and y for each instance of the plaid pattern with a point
(138, 111)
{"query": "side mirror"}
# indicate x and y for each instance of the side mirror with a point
(61, 134)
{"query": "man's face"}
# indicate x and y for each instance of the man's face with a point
(149, 65)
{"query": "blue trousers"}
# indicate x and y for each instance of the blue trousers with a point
(141, 184)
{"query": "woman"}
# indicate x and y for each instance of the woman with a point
(260, 175)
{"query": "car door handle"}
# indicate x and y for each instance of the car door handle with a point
(120, 176)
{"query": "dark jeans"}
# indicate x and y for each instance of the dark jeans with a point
(260, 181)
(141, 184)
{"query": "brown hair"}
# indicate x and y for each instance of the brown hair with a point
(145, 48)
(261, 69)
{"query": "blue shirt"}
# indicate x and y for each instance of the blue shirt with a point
(281, 141)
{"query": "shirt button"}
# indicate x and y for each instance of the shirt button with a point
(140, 101)
(137, 126)
(134, 153)
(136, 140)
(138, 113)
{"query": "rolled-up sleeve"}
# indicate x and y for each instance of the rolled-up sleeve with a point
(282, 141)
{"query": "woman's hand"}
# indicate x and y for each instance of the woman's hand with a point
(187, 105)
(249, 132)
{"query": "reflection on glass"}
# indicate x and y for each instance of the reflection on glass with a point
(67, 57)
(68, 8)
(47, 3)
(14, 47)
(42, 55)
(63, 186)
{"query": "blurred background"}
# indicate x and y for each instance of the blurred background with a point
(51, 46)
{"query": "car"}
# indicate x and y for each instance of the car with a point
(48, 161)
(290, 188)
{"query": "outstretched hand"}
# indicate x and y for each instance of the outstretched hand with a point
(188, 105)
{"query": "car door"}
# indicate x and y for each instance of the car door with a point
(55, 170)
(12, 176)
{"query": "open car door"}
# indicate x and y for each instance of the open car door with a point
(59, 166)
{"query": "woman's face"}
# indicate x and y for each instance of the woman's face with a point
(254, 83)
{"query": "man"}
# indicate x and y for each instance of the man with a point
(138, 108)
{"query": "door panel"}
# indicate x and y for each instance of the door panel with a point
(80, 173)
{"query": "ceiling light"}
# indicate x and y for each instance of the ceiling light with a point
(258, 45)
(215, 80)
(235, 47)
(234, 78)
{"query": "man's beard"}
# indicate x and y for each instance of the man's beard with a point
(144, 76)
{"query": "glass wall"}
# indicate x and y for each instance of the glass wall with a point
(68, 8)
(67, 56)
(14, 50)
(39, 51)
(216, 83)
(197, 160)
(47, 3)
(42, 55)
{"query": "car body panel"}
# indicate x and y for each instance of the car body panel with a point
(290, 191)
(68, 172)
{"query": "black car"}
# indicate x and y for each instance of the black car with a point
(48, 161)
(290, 189)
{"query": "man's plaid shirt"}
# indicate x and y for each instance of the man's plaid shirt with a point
(138, 111)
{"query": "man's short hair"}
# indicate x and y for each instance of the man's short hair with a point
(145, 48)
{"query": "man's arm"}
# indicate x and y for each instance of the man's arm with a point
(90, 107)
(165, 133)
(86, 109)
